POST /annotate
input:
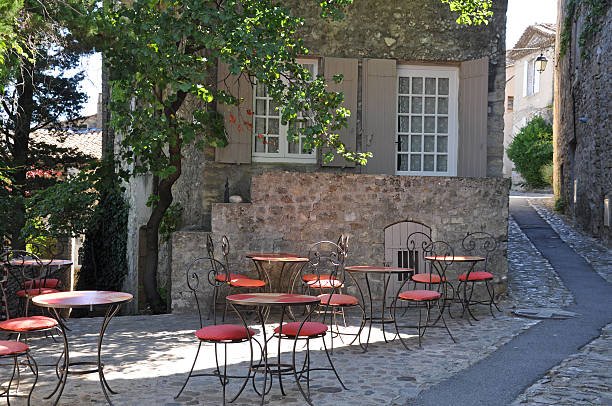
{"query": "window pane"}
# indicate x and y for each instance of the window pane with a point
(443, 86)
(261, 90)
(428, 163)
(274, 109)
(403, 124)
(259, 145)
(402, 162)
(415, 162)
(442, 105)
(442, 144)
(442, 125)
(403, 143)
(404, 85)
(441, 165)
(430, 105)
(430, 124)
(260, 107)
(417, 105)
(429, 143)
(273, 126)
(260, 125)
(403, 104)
(417, 124)
(416, 143)
(430, 85)
(417, 85)
(273, 144)
(294, 147)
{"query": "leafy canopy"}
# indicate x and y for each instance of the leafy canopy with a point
(532, 149)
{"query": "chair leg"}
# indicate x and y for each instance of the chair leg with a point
(31, 361)
(332, 365)
(190, 371)
(445, 326)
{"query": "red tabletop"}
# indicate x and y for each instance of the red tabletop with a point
(276, 257)
(267, 299)
(51, 262)
(81, 298)
(377, 269)
(458, 258)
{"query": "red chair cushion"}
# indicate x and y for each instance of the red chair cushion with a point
(477, 276)
(419, 295)
(223, 332)
(313, 277)
(338, 299)
(247, 283)
(12, 347)
(221, 277)
(36, 292)
(46, 283)
(309, 329)
(427, 278)
(324, 284)
(31, 323)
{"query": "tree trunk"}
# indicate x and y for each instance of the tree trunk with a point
(21, 140)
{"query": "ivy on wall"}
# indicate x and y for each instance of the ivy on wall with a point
(595, 10)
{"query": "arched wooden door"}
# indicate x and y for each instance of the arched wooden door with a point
(397, 253)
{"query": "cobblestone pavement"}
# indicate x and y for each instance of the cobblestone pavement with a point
(148, 357)
(585, 378)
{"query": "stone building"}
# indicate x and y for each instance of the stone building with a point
(528, 92)
(426, 97)
(582, 136)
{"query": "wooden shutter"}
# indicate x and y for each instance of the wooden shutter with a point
(379, 114)
(348, 86)
(239, 134)
(473, 103)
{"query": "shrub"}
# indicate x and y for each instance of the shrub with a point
(531, 149)
(546, 172)
(560, 205)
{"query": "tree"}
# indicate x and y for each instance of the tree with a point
(35, 94)
(531, 149)
(163, 53)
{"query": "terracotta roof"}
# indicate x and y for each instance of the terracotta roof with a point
(87, 141)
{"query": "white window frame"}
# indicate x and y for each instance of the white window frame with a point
(283, 155)
(452, 74)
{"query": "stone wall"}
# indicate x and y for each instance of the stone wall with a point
(290, 211)
(582, 136)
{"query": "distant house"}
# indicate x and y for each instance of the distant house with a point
(528, 92)
(426, 98)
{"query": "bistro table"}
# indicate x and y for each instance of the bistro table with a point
(443, 260)
(47, 263)
(370, 317)
(289, 261)
(265, 300)
(83, 299)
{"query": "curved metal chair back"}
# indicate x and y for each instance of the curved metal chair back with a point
(445, 256)
(418, 243)
(343, 243)
(202, 273)
(479, 243)
(225, 249)
(210, 247)
(20, 270)
(326, 258)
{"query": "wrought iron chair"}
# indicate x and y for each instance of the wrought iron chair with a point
(482, 244)
(328, 257)
(236, 280)
(200, 271)
(323, 281)
(45, 252)
(14, 350)
(425, 298)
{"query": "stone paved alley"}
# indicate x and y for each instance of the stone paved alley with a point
(147, 357)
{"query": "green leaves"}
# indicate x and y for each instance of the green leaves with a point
(471, 12)
(531, 149)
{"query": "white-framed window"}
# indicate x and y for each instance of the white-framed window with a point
(270, 135)
(531, 83)
(427, 120)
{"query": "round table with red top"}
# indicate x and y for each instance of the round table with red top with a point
(263, 300)
(369, 317)
(49, 264)
(83, 299)
(290, 263)
(472, 260)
